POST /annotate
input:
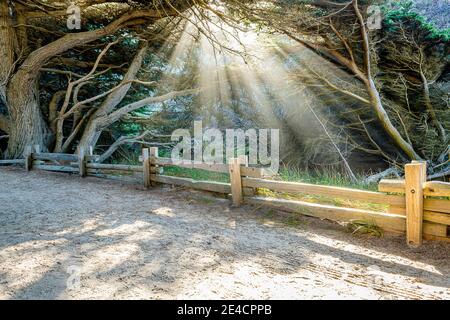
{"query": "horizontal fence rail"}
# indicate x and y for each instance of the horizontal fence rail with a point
(414, 206)
(218, 187)
(6, 162)
(430, 188)
(338, 192)
(217, 167)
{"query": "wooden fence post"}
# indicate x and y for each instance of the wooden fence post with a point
(235, 179)
(37, 148)
(153, 169)
(245, 190)
(82, 162)
(28, 155)
(146, 166)
(415, 177)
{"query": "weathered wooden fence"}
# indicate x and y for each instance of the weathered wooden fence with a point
(415, 206)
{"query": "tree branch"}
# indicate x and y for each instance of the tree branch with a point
(121, 141)
(38, 58)
(374, 95)
(116, 115)
(116, 96)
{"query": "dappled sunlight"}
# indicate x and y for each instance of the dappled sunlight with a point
(88, 225)
(33, 259)
(349, 247)
(133, 247)
(226, 69)
(123, 229)
(242, 72)
(99, 99)
(108, 257)
(164, 211)
(251, 280)
(232, 224)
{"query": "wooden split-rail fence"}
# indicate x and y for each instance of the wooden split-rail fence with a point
(414, 206)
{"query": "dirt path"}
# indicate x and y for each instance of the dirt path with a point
(125, 242)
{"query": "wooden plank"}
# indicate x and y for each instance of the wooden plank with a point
(415, 177)
(82, 163)
(435, 229)
(93, 158)
(401, 210)
(28, 158)
(431, 216)
(112, 172)
(236, 180)
(55, 168)
(244, 164)
(12, 161)
(118, 167)
(392, 186)
(430, 188)
(146, 167)
(218, 187)
(388, 222)
(131, 179)
(55, 156)
(352, 194)
(154, 153)
(253, 172)
(217, 167)
(437, 189)
(437, 217)
(436, 238)
(438, 205)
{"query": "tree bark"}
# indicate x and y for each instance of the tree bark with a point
(28, 124)
(4, 123)
(7, 40)
(429, 106)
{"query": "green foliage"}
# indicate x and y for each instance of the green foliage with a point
(404, 11)
(196, 174)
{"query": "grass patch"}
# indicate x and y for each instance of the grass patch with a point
(203, 199)
(324, 177)
(293, 175)
(293, 220)
(337, 202)
(196, 174)
(364, 227)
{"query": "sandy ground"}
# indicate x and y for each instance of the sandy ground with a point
(63, 237)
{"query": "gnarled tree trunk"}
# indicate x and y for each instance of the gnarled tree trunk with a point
(29, 126)
(7, 39)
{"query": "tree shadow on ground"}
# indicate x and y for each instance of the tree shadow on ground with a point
(160, 243)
